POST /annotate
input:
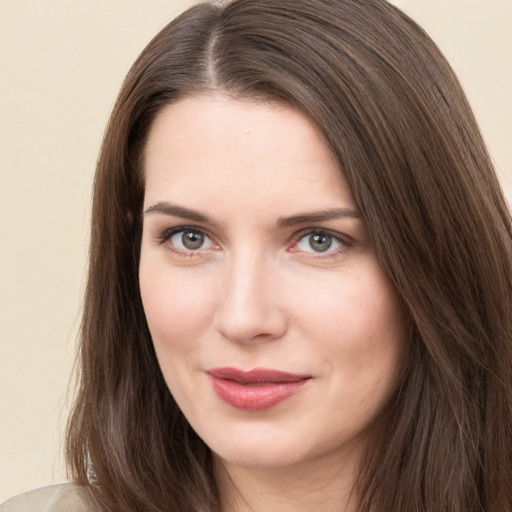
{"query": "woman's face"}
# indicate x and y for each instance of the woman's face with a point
(277, 332)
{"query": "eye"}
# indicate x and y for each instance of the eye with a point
(321, 242)
(188, 240)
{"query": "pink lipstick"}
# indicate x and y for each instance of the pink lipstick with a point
(255, 390)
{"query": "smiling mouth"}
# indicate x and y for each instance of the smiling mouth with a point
(255, 390)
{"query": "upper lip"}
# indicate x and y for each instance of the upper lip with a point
(258, 375)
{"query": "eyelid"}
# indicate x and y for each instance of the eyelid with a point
(313, 230)
(167, 234)
(345, 240)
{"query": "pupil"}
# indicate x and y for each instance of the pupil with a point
(192, 240)
(320, 243)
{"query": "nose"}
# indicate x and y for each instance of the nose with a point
(248, 308)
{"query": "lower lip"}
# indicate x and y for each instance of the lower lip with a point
(255, 397)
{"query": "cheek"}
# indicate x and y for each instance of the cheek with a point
(378, 347)
(358, 327)
(378, 325)
(177, 305)
(362, 307)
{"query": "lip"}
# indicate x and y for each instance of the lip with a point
(255, 390)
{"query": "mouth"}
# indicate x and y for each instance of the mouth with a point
(255, 390)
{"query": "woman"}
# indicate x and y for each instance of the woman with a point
(300, 275)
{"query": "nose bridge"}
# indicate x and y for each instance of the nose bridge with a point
(247, 307)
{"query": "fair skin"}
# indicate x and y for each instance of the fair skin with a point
(253, 257)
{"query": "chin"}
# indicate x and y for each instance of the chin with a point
(258, 458)
(257, 449)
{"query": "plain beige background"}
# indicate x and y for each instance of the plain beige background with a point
(61, 65)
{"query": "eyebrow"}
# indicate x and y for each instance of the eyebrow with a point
(323, 215)
(172, 210)
(179, 211)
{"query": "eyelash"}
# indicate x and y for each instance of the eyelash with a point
(344, 240)
(169, 233)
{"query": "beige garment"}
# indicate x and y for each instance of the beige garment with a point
(54, 498)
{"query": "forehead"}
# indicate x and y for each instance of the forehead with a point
(239, 149)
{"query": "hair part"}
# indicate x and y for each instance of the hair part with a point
(392, 112)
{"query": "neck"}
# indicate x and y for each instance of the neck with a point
(314, 485)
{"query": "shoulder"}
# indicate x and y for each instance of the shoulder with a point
(68, 497)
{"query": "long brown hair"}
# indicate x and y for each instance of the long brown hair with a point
(396, 119)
